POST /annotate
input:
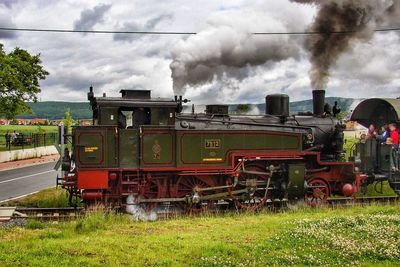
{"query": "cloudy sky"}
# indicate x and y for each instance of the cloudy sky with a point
(111, 62)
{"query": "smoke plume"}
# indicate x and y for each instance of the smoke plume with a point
(226, 48)
(357, 18)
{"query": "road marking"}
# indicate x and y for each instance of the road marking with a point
(24, 177)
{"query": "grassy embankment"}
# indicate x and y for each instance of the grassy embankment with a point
(368, 236)
(47, 198)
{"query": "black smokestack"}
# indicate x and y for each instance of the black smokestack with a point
(318, 102)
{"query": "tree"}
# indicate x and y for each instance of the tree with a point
(242, 108)
(68, 120)
(20, 73)
(341, 116)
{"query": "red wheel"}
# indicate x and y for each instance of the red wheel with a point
(187, 186)
(317, 192)
(150, 189)
(254, 185)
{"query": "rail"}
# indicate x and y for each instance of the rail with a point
(70, 213)
(48, 214)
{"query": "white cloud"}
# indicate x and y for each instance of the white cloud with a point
(76, 61)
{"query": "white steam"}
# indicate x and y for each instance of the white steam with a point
(226, 48)
(138, 213)
(254, 111)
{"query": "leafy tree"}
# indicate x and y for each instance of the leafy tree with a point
(341, 116)
(20, 73)
(68, 120)
(242, 108)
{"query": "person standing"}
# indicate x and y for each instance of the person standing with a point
(8, 140)
(394, 133)
(371, 131)
(385, 134)
(14, 136)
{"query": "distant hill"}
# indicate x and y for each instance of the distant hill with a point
(81, 110)
(306, 105)
(53, 110)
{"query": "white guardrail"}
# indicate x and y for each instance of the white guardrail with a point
(28, 153)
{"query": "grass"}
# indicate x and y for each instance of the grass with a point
(25, 129)
(367, 235)
(383, 188)
(47, 198)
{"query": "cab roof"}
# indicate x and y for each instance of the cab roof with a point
(378, 111)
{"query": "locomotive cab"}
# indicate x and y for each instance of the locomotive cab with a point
(120, 122)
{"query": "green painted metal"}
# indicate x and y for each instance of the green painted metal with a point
(158, 148)
(384, 156)
(215, 147)
(162, 116)
(112, 147)
(96, 146)
(90, 150)
(296, 181)
(108, 116)
(128, 148)
(367, 153)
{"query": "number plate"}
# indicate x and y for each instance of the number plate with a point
(212, 143)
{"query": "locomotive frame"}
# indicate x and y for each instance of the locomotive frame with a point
(194, 162)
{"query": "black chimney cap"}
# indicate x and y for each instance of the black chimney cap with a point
(135, 94)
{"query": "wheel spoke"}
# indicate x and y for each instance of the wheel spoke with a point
(255, 199)
(317, 193)
(185, 186)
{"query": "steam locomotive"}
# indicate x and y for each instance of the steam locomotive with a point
(197, 161)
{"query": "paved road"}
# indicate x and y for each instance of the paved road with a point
(21, 181)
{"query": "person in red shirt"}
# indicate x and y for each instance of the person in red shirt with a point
(394, 133)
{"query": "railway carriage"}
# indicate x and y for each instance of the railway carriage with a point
(379, 162)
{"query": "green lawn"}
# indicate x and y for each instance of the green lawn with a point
(361, 235)
(27, 129)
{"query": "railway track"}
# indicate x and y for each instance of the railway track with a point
(70, 213)
(48, 214)
(345, 201)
